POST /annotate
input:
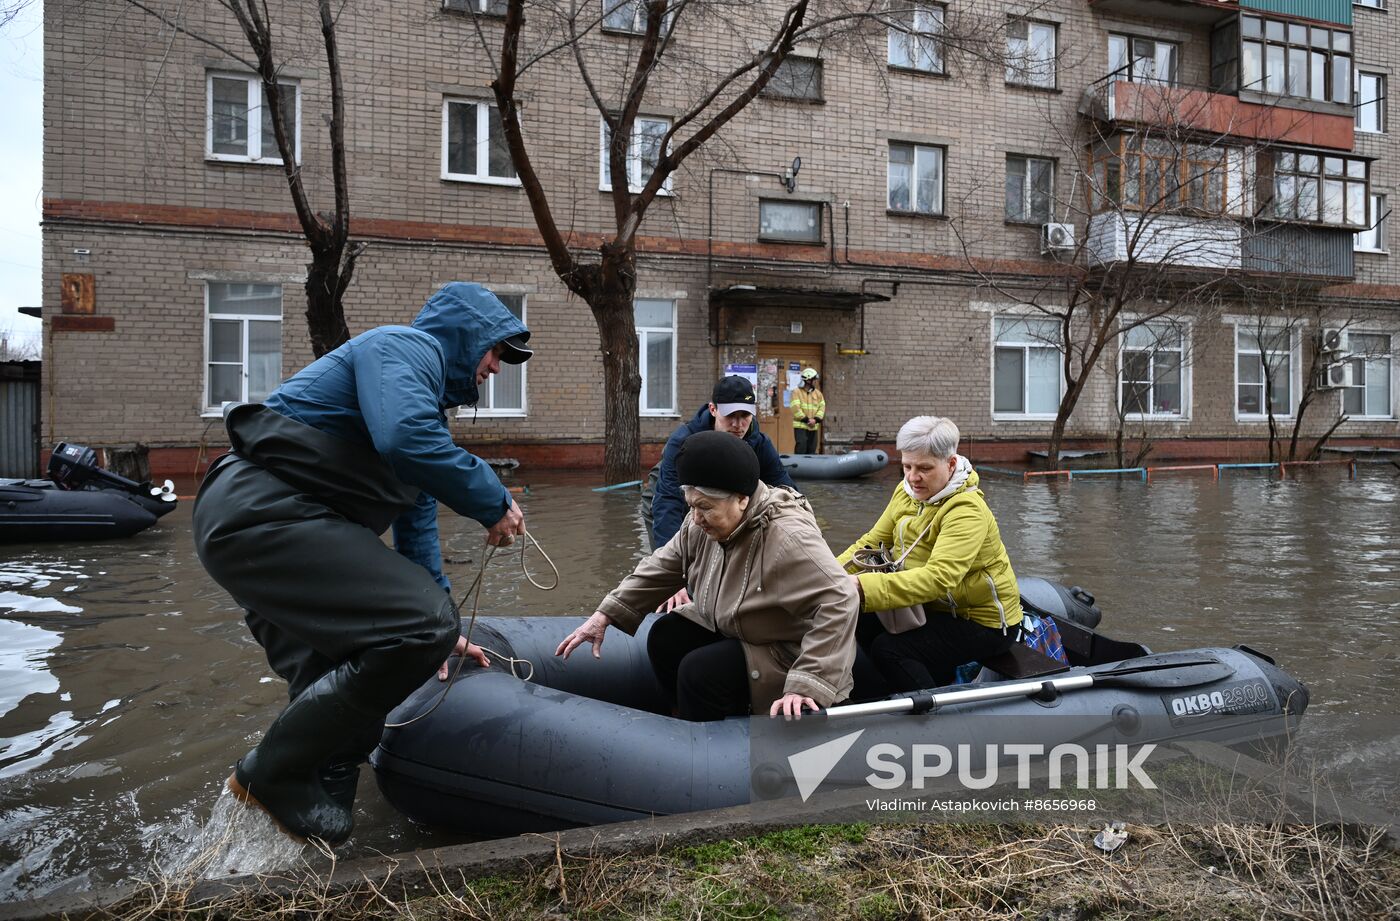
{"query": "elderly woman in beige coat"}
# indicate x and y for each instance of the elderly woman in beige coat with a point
(771, 624)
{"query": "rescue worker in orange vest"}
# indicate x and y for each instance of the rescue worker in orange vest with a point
(808, 410)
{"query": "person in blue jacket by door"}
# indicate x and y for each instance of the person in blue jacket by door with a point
(289, 523)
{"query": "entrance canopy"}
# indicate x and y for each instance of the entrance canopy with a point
(769, 296)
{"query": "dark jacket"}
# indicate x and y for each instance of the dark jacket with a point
(389, 389)
(668, 509)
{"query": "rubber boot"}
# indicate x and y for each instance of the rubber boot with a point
(342, 774)
(282, 774)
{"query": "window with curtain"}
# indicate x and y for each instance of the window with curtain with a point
(1030, 53)
(240, 121)
(916, 42)
(643, 153)
(1371, 374)
(1030, 187)
(656, 336)
(1152, 366)
(1372, 239)
(797, 221)
(1142, 60)
(1370, 102)
(504, 393)
(915, 178)
(798, 77)
(1026, 366)
(242, 342)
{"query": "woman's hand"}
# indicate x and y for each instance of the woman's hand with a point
(790, 706)
(679, 598)
(590, 631)
(463, 648)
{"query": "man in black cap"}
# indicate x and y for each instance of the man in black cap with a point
(731, 409)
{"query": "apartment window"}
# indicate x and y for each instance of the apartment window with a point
(1030, 53)
(240, 122)
(474, 143)
(1030, 185)
(504, 392)
(1152, 370)
(1142, 60)
(643, 153)
(796, 78)
(1154, 174)
(656, 335)
(1370, 102)
(1372, 239)
(1294, 59)
(489, 7)
(793, 221)
(1312, 187)
(1369, 394)
(1373, 4)
(629, 16)
(1026, 367)
(242, 342)
(916, 41)
(1255, 349)
(915, 181)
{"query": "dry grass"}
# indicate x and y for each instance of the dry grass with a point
(874, 872)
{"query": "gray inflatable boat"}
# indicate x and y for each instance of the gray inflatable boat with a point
(834, 466)
(582, 742)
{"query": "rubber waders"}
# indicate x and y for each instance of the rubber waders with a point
(282, 774)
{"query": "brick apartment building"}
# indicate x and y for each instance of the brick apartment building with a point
(900, 263)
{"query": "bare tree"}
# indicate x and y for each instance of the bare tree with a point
(639, 169)
(327, 234)
(16, 346)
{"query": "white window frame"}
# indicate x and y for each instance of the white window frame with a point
(256, 142)
(1379, 102)
(923, 41)
(1128, 71)
(483, 148)
(1025, 345)
(1184, 350)
(1390, 359)
(1373, 238)
(639, 22)
(1370, 4)
(1252, 327)
(635, 180)
(243, 319)
(642, 332)
(1026, 74)
(1026, 189)
(942, 153)
(482, 7)
(487, 397)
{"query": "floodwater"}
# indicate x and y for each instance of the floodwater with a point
(129, 685)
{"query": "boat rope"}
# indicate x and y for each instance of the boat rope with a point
(474, 590)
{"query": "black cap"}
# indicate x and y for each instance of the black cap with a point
(718, 460)
(734, 394)
(514, 351)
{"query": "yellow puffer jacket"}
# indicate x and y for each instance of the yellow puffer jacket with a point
(956, 562)
(805, 404)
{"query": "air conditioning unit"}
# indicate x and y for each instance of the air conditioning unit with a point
(1336, 375)
(1329, 339)
(1056, 238)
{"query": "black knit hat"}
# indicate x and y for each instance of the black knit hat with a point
(718, 460)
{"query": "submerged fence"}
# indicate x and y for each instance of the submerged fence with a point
(1147, 473)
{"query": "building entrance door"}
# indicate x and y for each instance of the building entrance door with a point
(780, 367)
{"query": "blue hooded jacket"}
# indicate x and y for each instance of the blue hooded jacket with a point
(668, 507)
(391, 388)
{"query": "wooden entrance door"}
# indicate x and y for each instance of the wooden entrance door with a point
(780, 365)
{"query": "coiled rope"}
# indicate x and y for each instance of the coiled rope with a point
(475, 591)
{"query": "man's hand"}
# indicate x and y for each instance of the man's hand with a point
(502, 533)
(590, 631)
(679, 598)
(790, 706)
(463, 648)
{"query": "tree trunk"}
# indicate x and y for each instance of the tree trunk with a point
(325, 315)
(611, 304)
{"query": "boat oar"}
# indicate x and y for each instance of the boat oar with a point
(1150, 671)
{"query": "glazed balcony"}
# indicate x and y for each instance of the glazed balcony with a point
(1209, 12)
(1216, 115)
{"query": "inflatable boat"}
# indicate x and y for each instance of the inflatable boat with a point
(834, 466)
(582, 742)
(79, 501)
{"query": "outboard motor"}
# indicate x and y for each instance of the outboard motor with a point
(1041, 596)
(75, 467)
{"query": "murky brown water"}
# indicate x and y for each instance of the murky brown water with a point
(129, 685)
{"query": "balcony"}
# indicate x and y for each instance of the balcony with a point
(1300, 250)
(1186, 241)
(1216, 114)
(1209, 12)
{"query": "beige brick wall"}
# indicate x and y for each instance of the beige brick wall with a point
(125, 118)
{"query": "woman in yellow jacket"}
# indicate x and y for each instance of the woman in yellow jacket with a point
(944, 592)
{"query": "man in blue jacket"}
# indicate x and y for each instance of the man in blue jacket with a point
(731, 409)
(289, 522)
